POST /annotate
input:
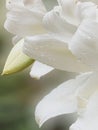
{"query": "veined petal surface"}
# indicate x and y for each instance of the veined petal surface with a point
(53, 52)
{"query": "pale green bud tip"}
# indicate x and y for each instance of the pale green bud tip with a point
(17, 60)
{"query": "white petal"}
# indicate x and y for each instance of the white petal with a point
(53, 52)
(74, 11)
(60, 101)
(69, 11)
(14, 4)
(86, 10)
(89, 119)
(38, 70)
(55, 23)
(24, 21)
(35, 4)
(84, 93)
(84, 44)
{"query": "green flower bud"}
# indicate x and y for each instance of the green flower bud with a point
(16, 60)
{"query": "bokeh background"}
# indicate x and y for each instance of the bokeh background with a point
(19, 93)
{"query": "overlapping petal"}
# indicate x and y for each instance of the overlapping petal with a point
(85, 92)
(24, 21)
(75, 11)
(56, 24)
(89, 119)
(84, 44)
(52, 51)
(69, 8)
(61, 100)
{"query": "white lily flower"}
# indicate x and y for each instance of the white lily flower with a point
(64, 38)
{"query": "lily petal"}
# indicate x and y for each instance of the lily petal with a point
(84, 44)
(14, 4)
(69, 11)
(86, 91)
(60, 27)
(86, 10)
(53, 52)
(60, 101)
(35, 4)
(38, 70)
(17, 60)
(75, 11)
(23, 21)
(89, 119)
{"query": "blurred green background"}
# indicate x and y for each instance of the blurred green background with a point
(19, 93)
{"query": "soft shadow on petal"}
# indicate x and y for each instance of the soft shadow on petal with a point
(53, 52)
(61, 100)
